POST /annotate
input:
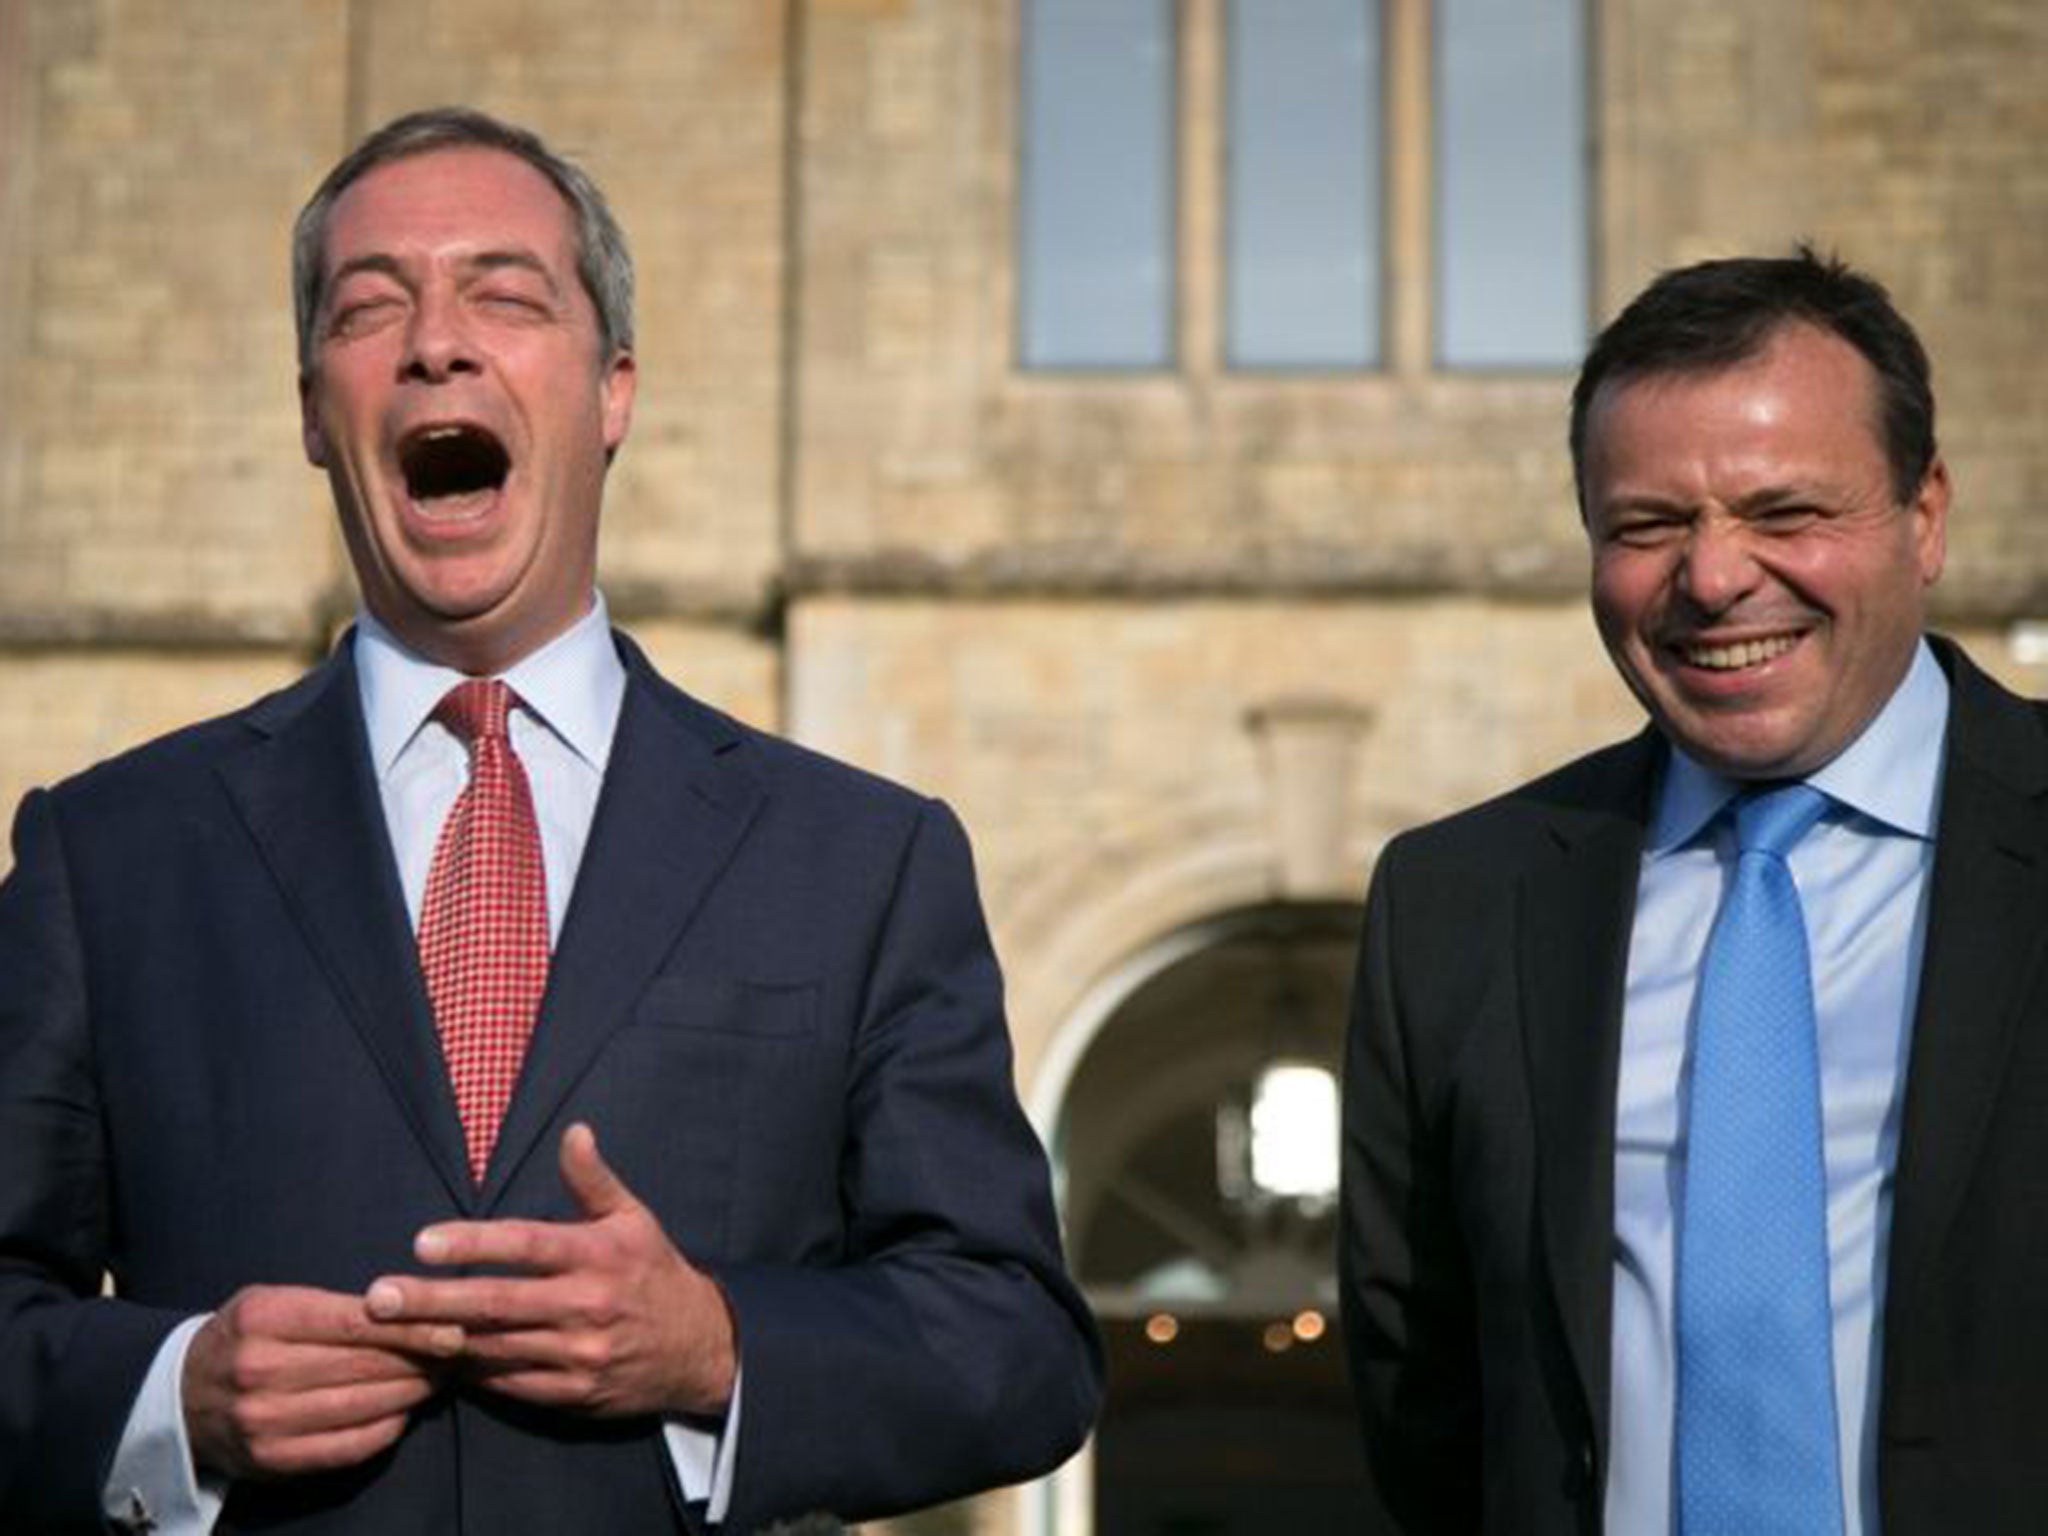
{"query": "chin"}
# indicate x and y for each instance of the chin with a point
(455, 594)
(1734, 753)
(1749, 761)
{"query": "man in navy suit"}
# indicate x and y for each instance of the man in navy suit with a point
(761, 1231)
(1534, 1315)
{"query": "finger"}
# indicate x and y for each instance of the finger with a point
(599, 1192)
(483, 1302)
(549, 1349)
(296, 1315)
(545, 1388)
(371, 1335)
(278, 1417)
(329, 1451)
(544, 1247)
(266, 1365)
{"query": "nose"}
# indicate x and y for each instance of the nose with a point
(437, 340)
(1719, 567)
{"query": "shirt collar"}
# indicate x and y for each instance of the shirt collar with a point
(574, 685)
(1891, 773)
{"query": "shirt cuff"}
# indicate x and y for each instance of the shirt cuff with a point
(153, 1485)
(703, 1457)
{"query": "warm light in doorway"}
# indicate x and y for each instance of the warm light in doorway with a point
(1294, 1131)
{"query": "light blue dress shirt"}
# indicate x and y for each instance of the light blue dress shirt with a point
(1862, 879)
(571, 691)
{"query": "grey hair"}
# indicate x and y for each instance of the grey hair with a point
(602, 260)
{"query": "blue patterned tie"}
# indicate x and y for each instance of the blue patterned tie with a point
(1756, 1386)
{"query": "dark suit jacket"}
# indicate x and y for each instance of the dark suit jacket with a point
(773, 997)
(1479, 1151)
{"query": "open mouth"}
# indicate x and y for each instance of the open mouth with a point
(452, 467)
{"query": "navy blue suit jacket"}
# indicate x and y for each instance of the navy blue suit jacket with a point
(1478, 1221)
(773, 997)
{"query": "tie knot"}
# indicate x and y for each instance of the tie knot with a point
(1772, 820)
(475, 710)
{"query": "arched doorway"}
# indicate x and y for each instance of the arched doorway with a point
(1197, 1148)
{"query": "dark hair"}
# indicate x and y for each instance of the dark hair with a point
(1715, 314)
(602, 260)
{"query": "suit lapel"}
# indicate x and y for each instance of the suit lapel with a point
(1576, 911)
(1987, 933)
(671, 812)
(308, 796)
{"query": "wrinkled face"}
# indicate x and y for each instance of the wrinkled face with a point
(459, 403)
(1753, 577)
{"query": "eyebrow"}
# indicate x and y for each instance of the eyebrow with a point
(519, 259)
(1645, 502)
(388, 265)
(473, 265)
(1768, 496)
(1762, 499)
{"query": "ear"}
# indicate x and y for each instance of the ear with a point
(621, 378)
(1929, 511)
(310, 435)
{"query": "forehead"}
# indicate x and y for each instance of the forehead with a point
(446, 203)
(1804, 385)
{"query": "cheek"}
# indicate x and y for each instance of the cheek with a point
(348, 430)
(1844, 579)
(1622, 593)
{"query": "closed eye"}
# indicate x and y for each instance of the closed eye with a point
(513, 306)
(1789, 517)
(1645, 530)
(358, 316)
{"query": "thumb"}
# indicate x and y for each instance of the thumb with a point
(599, 1192)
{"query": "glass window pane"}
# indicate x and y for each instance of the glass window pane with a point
(1097, 207)
(1511, 183)
(1301, 254)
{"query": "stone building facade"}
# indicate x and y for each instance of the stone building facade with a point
(1183, 646)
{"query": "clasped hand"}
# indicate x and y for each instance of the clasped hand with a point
(599, 1315)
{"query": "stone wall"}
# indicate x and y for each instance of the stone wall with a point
(151, 484)
(924, 461)
(1174, 644)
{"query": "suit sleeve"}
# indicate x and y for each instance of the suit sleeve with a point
(71, 1360)
(1404, 1282)
(948, 1351)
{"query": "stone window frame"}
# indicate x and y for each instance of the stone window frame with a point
(1408, 215)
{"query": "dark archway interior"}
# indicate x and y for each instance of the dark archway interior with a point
(1228, 1408)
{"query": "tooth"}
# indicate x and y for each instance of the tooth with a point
(1743, 653)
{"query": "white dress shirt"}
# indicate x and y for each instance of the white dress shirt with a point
(1862, 878)
(570, 692)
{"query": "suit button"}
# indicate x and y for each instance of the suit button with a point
(1578, 1476)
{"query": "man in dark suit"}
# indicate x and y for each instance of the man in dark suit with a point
(737, 1219)
(1533, 1265)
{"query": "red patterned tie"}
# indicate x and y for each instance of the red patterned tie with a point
(484, 923)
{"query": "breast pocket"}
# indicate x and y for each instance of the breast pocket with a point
(761, 1009)
(705, 1089)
